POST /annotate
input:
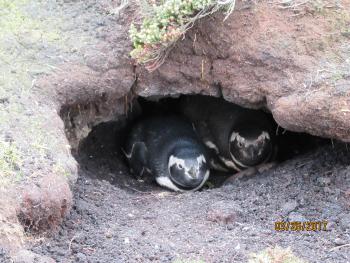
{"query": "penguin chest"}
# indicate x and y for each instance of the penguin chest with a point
(220, 158)
(232, 164)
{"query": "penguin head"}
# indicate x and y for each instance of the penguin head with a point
(250, 145)
(188, 169)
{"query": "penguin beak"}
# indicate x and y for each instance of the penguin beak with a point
(251, 152)
(192, 173)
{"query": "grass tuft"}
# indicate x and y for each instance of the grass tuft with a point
(275, 255)
(10, 161)
(164, 22)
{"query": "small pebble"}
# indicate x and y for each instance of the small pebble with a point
(323, 181)
(81, 257)
(224, 212)
(296, 217)
(289, 207)
(338, 241)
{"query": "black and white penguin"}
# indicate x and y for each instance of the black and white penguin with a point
(239, 138)
(168, 149)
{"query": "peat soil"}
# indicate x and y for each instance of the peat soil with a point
(116, 218)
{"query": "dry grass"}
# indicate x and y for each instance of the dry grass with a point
(275, 255)
(302, 7)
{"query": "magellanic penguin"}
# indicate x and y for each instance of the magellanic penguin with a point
(168, 149)
(239, 138)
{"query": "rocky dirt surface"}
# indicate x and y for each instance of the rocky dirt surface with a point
(118, 219)
(66, 68)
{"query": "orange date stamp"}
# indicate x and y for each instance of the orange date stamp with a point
(301, 226)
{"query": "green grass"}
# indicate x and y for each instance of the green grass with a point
(21, 38)
(10, 163)
(164, 22)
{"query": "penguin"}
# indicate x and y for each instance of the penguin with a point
(238, 138)
(167, 148)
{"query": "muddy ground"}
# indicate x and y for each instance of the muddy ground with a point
(118, 219)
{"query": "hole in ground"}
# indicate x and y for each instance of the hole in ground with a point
(100, 154)
(115, 223)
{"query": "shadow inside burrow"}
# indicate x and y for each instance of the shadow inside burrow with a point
(101, 155)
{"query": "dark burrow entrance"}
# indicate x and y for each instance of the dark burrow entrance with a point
(116, 218)
(101, 156)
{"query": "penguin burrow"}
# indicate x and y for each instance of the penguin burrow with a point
(187, 143)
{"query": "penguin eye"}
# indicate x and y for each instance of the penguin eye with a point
(180, 166)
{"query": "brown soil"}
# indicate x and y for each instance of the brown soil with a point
(71, 71)
(118, 219)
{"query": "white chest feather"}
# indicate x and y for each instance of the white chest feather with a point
(229, 163)
(212, 146)
(166, 182)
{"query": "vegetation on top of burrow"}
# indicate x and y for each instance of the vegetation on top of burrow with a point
(164, 22)
(275, 255)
